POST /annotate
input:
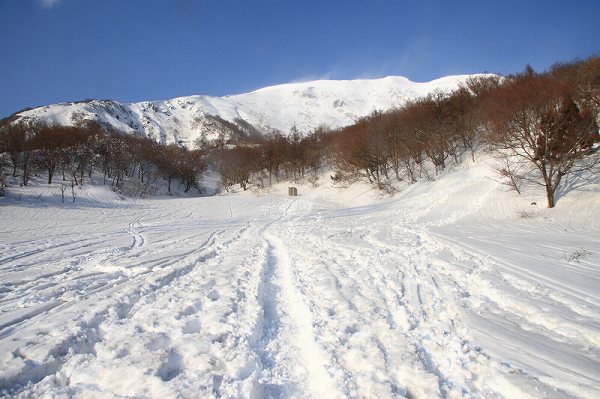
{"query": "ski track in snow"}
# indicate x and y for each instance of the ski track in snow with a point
(277, 297)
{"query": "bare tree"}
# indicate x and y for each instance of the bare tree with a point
(16, 141)
(63, 188)
(73, 192)
(433, 127)
(3, 183)
(237, 165)
(272, 155)
(510, 172)
(585, 77)
(536, 119)
(49, 149)
(464, 119)
(54, 144)
(190, 165)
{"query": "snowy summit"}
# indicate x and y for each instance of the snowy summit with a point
(307, 105)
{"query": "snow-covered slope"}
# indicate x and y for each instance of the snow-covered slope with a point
(454, 288)
(307, 105)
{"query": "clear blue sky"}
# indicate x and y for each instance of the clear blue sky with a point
(129, 50)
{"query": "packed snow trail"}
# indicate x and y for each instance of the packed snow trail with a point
(417, 296)
(292, 362)
(379, 314)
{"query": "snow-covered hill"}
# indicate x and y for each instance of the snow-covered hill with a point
(307, 105)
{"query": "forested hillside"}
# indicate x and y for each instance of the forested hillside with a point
(539, 126)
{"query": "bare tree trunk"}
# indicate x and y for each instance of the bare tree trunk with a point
(550, 196)
(15, 164)
(73, 190)
(63, 188)
(550, 188)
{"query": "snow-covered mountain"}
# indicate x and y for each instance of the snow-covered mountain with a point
(307, 105)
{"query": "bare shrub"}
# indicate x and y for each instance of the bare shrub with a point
(526, 213)
(578, 255)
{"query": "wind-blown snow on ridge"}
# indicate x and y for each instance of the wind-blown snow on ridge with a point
(307, 105)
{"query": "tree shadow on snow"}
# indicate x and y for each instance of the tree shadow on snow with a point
(581, 182)
(36, 200)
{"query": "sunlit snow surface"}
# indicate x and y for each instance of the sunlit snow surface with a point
(443, 290)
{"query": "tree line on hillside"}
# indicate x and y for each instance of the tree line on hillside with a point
(540, 126)
(77, 153)
(276, 157)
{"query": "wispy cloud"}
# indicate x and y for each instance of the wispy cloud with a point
(341, 71)
(311, 77)
(49, 3)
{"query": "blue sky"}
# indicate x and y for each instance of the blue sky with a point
(128, 50)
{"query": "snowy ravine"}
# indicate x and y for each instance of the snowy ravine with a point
(442, 290)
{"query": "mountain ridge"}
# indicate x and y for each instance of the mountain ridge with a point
(306, 105)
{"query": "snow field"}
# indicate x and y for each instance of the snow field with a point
(440, 291)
